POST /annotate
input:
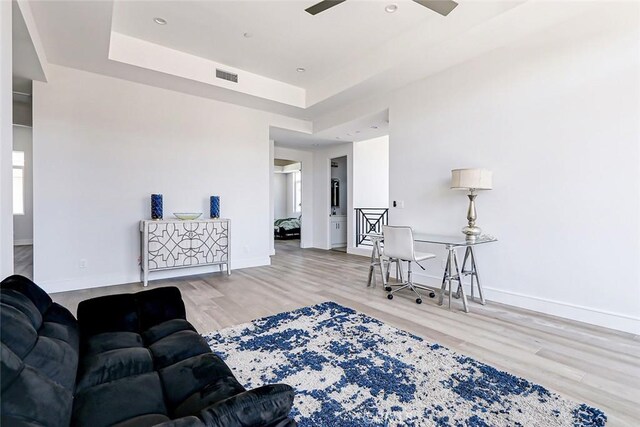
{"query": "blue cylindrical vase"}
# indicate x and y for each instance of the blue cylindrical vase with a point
(156, 206)
(214, 207)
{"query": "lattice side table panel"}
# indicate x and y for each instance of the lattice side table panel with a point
(210, 242)
(169, 245)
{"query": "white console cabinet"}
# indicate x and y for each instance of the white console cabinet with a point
(169, 244)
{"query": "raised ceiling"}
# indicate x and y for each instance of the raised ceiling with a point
(282, 36)
(350, 53)
(345, 48)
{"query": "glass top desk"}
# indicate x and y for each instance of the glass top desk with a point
(453, 271)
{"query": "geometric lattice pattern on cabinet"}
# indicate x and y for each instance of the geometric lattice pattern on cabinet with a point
(178, 244)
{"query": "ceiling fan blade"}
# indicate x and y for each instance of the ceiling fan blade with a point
(322, 6)
(443, 7)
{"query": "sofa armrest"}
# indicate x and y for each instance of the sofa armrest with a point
(262, 406)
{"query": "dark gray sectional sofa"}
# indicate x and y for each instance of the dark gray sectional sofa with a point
(129, 360)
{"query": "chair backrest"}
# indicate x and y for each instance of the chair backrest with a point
(398, 242)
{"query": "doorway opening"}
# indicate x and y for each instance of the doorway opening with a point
(22, 162)
(338, 186)
(287, 204)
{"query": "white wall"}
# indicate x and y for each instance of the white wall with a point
(371, 173)
(556, 117)
(306, 158)
(23, 224)
(6, 141)
(103, 145)
(290, 205)
(280, 195)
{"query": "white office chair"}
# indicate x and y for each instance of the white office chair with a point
(398, 245)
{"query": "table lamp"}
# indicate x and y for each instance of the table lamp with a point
(472, 180)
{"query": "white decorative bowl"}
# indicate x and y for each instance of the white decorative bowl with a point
(187, 215)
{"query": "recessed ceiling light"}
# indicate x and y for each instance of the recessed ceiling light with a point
(160, 21)
(357, 131)
(390, 8)
(248, 35)
(374, 127)
(315, 145)
(300, 70)
(337, 137)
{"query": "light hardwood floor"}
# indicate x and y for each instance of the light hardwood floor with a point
(23, 260)
(586, 363)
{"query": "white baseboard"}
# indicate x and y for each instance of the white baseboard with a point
(594, 316)
(360, 250)
(22, 242)
(97, 281)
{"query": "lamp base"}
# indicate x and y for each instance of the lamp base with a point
(471, 232)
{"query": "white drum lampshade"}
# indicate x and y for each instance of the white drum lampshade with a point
(471, 179)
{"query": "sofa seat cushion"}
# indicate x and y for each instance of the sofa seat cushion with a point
(257, 407)
(118, 401)
(177, 347)
(165, 329)
(205, 374)
(55, 359)
(113, 365)
(111, 341)
(146, 420)
(183, 422)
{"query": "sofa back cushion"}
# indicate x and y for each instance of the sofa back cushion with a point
(130, 312)
(39, 356)
(159, 305)
(111, 313)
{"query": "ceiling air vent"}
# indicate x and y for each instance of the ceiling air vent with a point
(225, 75)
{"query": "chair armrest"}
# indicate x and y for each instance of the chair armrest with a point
(262, 406)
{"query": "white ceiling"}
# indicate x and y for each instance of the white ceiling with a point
(352, 52)
(283, 36)
(363, 128)
(26, 65)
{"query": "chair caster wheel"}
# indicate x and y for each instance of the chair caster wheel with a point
(418, 301)
(432, 294)
(388, 289)
(390, 296)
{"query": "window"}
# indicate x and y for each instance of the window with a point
(297, 191)
(18, 182)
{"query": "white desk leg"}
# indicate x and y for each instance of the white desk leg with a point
(464, 271)
(474, 268)
(445, 277)
(460, 287)
(372, 265)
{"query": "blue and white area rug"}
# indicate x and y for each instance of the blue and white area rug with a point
(349, 369)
